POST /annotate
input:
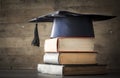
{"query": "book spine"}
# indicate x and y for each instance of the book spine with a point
(50, 69)
(52, 58)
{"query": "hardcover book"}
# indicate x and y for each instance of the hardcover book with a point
(69, 44)
(72, 69)
(70, 58)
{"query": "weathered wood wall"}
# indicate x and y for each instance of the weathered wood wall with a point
(16, 33)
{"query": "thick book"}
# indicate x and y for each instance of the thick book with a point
(72, 69)
(70, 58)
(69, 44)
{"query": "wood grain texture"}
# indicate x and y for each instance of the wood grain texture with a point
(14, 16)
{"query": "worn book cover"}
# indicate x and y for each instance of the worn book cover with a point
(69, 44)
(94, 69)
(70, 58)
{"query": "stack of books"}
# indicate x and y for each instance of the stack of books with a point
(70, 56)
(70, 51)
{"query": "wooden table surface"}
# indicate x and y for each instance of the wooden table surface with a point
(35, 74)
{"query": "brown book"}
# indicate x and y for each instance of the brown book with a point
(72, 69)
(69, 44)
(70, 58)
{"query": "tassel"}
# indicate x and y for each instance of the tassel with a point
(36, 41)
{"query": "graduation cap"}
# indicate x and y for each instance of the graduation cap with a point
(68, 24)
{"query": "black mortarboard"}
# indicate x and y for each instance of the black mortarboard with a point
(68, 24)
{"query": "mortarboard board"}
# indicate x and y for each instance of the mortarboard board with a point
(68, 24)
